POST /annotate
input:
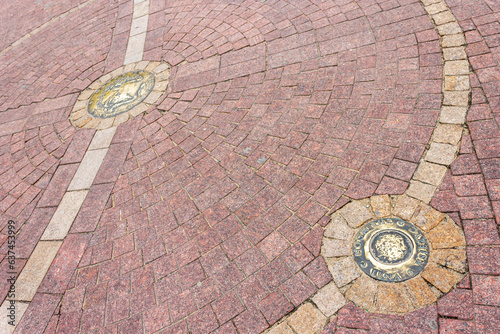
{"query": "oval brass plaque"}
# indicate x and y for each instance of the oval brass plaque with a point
(391, 250)
(120, 94)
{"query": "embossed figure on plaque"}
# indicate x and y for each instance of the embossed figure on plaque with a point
(391, 250)
(120, 94)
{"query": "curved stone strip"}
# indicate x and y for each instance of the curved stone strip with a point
(445, 141)
(48, 247)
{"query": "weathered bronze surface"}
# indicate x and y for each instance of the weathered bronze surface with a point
(390, 250)
(120, 94)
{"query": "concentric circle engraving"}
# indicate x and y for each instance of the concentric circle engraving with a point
(120, 94)
(391, 250)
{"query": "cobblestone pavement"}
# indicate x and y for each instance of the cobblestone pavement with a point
(206, 212)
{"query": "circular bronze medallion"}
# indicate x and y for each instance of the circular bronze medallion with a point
(390, 250)
(120, 94)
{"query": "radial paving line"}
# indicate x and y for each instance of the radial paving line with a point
(443, 148)
(47, 248)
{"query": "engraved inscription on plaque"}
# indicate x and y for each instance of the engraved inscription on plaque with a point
(390, 250)
(121, 94)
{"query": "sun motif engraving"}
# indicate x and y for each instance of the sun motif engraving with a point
(390, 247)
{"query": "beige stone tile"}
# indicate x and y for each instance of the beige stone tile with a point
(139, 26)
(105, 123)
(446, 235)
(441, 278)
(307, 319)
(454, 53)
(329, 299)
(430, 2)
(335, 248)
(421, 191)
(449, 28)
(338, 228)
(20, 309)
(451, 258)
(102, 139)
(443, 17)
(355, 213)
(87, 170)
(435, 8)
(362, 292)
(282, 328)
(443, 154)
(453, 115)
(452, 40)
(343, 271)
(456, 98)
(141, 9)
(405, 207)
(381, 205)
(153, 97)
(456, 82)
(448, 133)
(135, 48)
(420, 292)
(456, 67)
(426, 218)
(64, 216)
(35, 269)
(392, 298)
(429, 172)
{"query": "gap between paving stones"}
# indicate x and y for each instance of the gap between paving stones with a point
(47, 248)
(442, 150)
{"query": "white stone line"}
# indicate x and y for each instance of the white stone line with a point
(46, 250)
(137, 38)
(445, 141)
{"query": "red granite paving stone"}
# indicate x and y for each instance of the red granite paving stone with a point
(227, 307)
(92, 207)
(38, 313)
(32, 230)
(424, 320)
(58, 185)
(448, 326)
(250, 321)
(457, 304)
(352, 317)
(481, 232)
(273, 245)
(482, 260)
(474, 207)
(486, 319)
(469, 185)
(64, 264)
(485, 290)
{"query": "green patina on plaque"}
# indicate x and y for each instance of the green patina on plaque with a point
(391, 250)
(121, 94)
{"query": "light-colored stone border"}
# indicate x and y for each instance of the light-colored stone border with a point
(80, 117)
(445, 141)
(446, 267)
